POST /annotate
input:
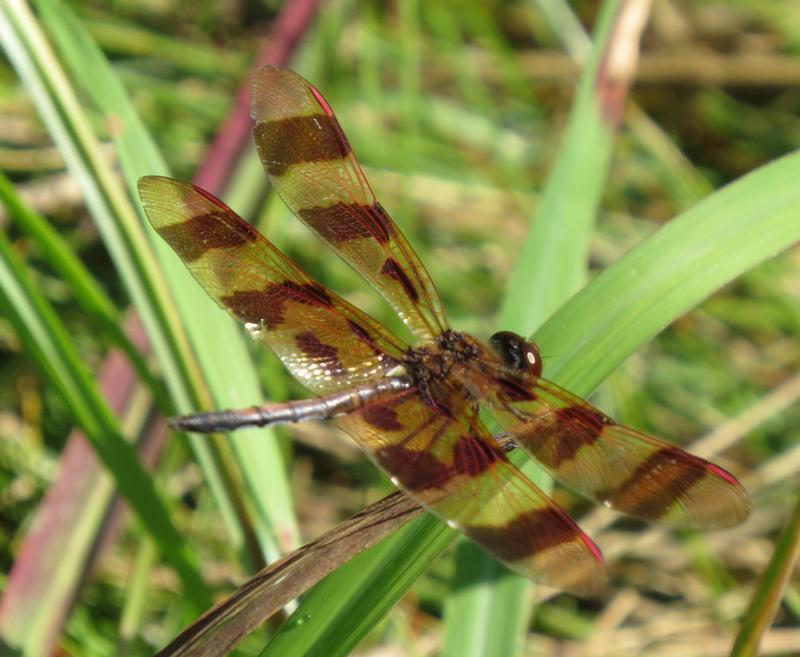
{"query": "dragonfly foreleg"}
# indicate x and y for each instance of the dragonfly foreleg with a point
(300, 410)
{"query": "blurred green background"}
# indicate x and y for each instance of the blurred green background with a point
(458, 111)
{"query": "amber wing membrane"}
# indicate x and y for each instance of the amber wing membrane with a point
(325, 342)
(312, 166)
(622, 468)
(451, 464)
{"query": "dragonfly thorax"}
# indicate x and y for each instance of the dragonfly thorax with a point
(434, 362)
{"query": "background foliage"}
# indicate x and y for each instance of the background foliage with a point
(459, 111)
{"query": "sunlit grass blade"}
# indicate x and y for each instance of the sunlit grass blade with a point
(552, 261)
(23, 42)
(38, 67)
(770, 589)
(691, 257)
(488, 607)
(216, 340)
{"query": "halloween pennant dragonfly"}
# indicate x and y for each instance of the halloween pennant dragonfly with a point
(415, 409)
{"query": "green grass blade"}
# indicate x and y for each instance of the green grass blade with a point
(770, 589)
(216, 340)
(22, 42)
(122, 232)
(47, 341)
(348, 603)
(36, 602)
(552, 262)
(89, 294)
(38, 67)
(593, 333)
(119, 36)
(693, 255)
(486, 613)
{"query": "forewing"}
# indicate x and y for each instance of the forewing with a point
(454, 467)
(324, 341)
(622, 468)
(311, 165)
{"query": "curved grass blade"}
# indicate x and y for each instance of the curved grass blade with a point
(22, 42)
(689, 258)
(348, 603)
(216, 632)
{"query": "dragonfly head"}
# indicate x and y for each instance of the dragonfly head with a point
(517, 353)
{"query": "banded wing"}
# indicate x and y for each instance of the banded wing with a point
(449, 463)
(326, 343)
(613, 464)
(312, 166)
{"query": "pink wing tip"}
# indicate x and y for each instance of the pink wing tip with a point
(724, 474)
(592, 546)
(210, 197)
(321, 100)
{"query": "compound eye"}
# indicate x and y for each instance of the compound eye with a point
(532, 358)
(516, 352)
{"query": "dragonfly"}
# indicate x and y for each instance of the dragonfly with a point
(416, 410)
